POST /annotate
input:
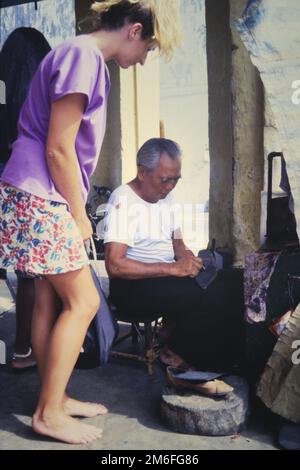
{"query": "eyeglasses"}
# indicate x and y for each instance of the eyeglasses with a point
(166, 179)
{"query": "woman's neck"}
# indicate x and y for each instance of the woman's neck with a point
(108, 42)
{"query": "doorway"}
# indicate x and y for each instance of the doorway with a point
(184, 112)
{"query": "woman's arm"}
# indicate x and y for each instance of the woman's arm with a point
(65, 119)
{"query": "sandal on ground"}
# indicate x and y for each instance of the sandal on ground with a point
(23, 361)
(204, 383)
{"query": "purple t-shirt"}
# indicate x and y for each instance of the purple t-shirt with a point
(76, 66)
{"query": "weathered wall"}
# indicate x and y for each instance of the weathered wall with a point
(220, 121)
(184, 112)
(184, 103)
(54, 18)
(248, 154)
(270, 31)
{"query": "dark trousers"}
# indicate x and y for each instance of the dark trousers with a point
(209, 323)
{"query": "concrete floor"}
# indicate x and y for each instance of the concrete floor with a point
(132, 397)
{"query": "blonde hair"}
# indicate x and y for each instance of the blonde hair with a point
(165, 19)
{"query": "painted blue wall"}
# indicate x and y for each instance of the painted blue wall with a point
(54, 18)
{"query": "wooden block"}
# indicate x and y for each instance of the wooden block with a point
(191, 413)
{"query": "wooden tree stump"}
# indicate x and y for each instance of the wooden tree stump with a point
(191, 413)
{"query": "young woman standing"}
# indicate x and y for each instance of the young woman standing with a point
(45, 184)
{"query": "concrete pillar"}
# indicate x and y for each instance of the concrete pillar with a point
(220, 122)
(248, 152)
(109, 168)
(236, 122)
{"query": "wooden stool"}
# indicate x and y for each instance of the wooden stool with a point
(144, 336)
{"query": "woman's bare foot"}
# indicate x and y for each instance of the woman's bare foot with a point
(83, 409)
(64, 428)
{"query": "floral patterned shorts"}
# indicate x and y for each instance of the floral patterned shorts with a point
(38, 237)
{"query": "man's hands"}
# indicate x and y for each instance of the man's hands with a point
(119, 266)
(187, 266)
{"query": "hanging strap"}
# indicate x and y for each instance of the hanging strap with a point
(90, 248)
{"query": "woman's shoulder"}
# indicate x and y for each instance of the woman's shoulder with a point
(84, 43)
(79, 52)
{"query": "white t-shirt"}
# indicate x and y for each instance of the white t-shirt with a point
(147, 229)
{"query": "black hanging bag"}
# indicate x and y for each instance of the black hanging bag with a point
(281, 222)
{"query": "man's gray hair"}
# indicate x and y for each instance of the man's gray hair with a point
(149, 154)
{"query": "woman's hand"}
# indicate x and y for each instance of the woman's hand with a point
(85, 226)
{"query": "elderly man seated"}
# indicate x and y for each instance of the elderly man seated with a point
(152, 271)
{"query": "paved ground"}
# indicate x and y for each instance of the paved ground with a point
(131, 395)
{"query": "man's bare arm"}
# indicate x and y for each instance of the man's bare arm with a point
(180, 249)
(119, 266)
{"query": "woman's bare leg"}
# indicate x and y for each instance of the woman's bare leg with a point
(47, 307)
(80, 302)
